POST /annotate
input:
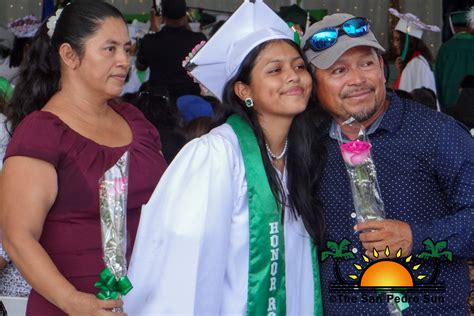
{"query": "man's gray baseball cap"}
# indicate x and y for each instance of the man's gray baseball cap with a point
(326, 58)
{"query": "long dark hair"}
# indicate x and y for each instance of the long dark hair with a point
(414, 44)
(305, 150)
(20, 47)
(41, 73)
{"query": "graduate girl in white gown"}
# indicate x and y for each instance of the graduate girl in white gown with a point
(229, 229)
(415, 59)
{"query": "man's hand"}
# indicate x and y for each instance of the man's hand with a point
(380, 234)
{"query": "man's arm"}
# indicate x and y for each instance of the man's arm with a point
(457, 230)
(454, 165)
(455, 174)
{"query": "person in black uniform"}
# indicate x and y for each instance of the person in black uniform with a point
(164, 51)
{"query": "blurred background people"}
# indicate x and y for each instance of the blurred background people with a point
(197, 127)
(164, 50)
(12, 282)
(414, 58)
(425, 96)
(455, 59)
(192, 106)
(6, 92)
(463, 110)
(136, 77)
(24, 29)
(448, 7)
(197, 114)
(157, 108)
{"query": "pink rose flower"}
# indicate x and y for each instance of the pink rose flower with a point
(355, 152)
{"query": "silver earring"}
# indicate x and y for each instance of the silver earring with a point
(248, 102)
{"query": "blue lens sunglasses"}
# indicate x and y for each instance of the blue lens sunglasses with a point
(327, 37)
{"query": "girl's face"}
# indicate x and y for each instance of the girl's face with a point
(280, 83)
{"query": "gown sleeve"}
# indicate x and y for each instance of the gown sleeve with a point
(179, 257)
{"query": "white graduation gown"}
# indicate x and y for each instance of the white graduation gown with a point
(191, 254)
(417, 74)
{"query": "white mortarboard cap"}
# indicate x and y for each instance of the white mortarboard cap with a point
(25, 27)
(219, 59)
(411, 24)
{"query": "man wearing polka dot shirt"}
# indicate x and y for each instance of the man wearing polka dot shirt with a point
(425, 169)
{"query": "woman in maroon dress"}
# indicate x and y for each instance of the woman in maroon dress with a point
(66, 135)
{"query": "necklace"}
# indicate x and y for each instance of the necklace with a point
(283, 153)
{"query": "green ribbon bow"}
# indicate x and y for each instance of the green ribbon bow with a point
(110, 288)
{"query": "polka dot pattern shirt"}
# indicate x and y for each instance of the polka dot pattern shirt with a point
(425, 169)
(11, 281)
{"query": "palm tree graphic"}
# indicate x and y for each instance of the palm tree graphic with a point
(340, 251)
(433, 252)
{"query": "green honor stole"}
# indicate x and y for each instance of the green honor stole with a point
(266, 280)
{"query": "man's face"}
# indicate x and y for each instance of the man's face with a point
(353, 86)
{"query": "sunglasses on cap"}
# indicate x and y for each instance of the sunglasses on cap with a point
(327, 37)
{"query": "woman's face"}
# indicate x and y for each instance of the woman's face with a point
(106, 60)
(280, 83)
(396, 42)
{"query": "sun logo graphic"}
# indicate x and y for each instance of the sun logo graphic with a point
(384, 274)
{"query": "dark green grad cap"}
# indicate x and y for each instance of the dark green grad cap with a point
(296, 15)
(458, 18)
